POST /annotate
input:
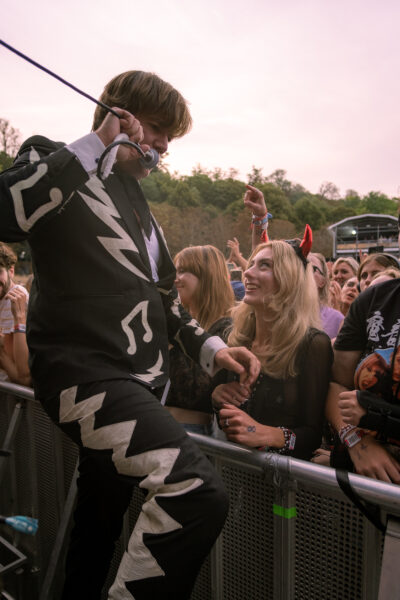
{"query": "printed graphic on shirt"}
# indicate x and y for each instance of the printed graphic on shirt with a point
(379, 370)
(126, 323)
(374, 373)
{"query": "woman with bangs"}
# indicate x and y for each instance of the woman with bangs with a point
(202, 281)
(279, 321)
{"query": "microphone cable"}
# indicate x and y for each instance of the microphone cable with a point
(148, 159)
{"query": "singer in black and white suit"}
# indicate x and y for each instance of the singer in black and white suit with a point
(101, 313)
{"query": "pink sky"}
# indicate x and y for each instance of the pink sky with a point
(311, 87)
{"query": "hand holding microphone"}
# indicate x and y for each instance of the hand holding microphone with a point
(130, 135)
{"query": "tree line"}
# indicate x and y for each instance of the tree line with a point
(206, 207)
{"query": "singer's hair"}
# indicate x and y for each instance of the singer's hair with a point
(8, 258)
(146, 95)
(289, 312)
(213, 297)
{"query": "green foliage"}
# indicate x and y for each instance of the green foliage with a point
(309, 210)
(278, 178)
(378, 203)
(5, 161)
(180, 194)
(277, 202)
(155, 187)
(206, 207)
(227, 191)
(255, 177)
(9, 138)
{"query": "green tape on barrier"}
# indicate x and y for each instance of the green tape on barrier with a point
(286, 513)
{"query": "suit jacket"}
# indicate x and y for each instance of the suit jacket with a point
(95, 311)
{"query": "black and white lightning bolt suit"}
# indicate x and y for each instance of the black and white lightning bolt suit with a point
(99, 323)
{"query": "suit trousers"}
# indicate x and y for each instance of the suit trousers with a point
(126, 438)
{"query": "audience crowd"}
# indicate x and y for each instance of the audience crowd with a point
(327, 337)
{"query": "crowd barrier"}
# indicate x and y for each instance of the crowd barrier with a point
(290, 534)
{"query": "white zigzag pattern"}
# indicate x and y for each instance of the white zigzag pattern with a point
(152, 372)
(137, 562)
(105, 209)
(16, 190)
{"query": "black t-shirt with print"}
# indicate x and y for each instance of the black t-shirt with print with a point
(372, 326)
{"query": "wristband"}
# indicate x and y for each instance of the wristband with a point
(354, 438)
(21, 328)
(260, 221)
(343, 431)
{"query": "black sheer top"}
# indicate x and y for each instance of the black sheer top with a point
(191, 387)
(297, 403)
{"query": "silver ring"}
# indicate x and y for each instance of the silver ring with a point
(226, 422)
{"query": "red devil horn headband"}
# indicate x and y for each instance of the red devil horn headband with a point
(306, 242)
(302, 250)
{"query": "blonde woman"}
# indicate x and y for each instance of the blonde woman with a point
(202, 281)
(278, 320)
(344, 268)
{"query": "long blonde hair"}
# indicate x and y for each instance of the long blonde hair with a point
(290, 312)
(213, 297)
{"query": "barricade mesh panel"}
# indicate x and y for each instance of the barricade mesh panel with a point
(248, 554)
(6, 496)
(333, 545)
(25, 478)
(329, 552)
(47, 481)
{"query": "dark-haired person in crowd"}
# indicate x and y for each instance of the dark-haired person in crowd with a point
(102, 313)
(13, 308)
(373, 264)
(202, 282)
(364, 396)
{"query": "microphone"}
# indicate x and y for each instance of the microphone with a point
(150, 159)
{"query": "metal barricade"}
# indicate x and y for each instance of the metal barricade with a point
(290, 533)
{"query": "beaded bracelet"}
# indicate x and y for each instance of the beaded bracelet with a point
(290, 441)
